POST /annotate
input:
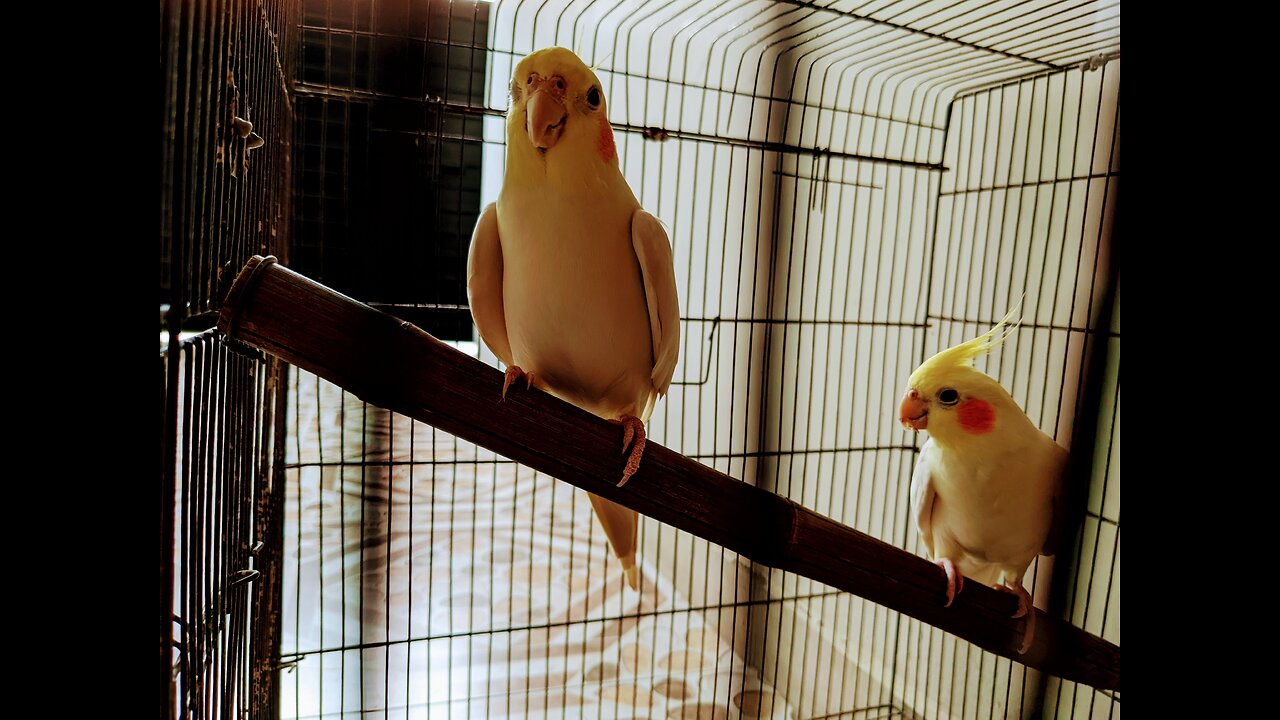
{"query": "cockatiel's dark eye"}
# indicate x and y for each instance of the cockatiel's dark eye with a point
(947, 396)
(593, 98)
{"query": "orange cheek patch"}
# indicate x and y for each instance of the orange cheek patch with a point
(607, 149)
(976, 416)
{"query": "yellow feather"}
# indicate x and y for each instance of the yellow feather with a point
(964, 354)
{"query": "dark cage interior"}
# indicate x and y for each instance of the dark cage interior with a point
(849, 187)
(388, 173)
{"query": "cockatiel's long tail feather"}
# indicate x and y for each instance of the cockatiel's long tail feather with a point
(620, 525)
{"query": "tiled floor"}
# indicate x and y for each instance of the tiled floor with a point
(464, 586)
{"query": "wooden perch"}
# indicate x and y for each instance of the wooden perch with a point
(395, 365)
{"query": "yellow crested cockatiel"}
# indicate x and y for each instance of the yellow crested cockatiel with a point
(572, 284)
(987, 487)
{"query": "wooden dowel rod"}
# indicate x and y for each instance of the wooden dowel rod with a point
(395, 365)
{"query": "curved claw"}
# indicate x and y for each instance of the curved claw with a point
(955, 581)
(632, 429)
(514, 372)
(1025, 608)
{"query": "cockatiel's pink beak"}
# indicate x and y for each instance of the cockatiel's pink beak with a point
(545, 111)
(914, 412)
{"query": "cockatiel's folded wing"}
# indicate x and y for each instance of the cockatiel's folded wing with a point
(484, 284)
(922, 496)
(657, 267)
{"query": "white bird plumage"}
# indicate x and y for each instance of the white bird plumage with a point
(986, 489)
(569, 279)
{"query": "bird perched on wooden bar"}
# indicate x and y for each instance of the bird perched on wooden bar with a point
(571, 283)
(986, 492)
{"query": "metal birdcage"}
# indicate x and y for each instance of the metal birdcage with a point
(849, 187)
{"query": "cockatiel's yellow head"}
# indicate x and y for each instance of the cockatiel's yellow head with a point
(558, 108)
(952, 399)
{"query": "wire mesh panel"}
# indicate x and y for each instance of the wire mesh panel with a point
(849, 188)
(434, 579)
(1092, 597)
(389, 153)
(1024, 219)
(223, 661)
(224, 146)
(226, 126)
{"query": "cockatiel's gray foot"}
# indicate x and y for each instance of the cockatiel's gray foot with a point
(1024, 608)
(513, 373)
(955, 581)
(632, 428)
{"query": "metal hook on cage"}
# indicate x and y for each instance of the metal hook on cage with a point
(242, 129)
(1094, 62)
(289, 662)
(435, 110)
(182, 625)
(705, 375)
(242, 349)
(826, 179)
(818, 155)
(240, 577)
(223, 280)
(656, 134)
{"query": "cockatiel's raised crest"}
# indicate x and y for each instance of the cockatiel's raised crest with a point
(964, 354)
(964, 398)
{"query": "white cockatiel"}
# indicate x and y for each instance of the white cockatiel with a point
(571, 283)
(987, 486)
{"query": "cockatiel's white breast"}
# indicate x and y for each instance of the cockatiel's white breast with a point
(992, 502)
(574, 296)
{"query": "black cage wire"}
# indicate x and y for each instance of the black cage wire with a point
(226, 137)
(388, 174)
(849, 187)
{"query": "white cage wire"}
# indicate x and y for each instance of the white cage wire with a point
(849, 188)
